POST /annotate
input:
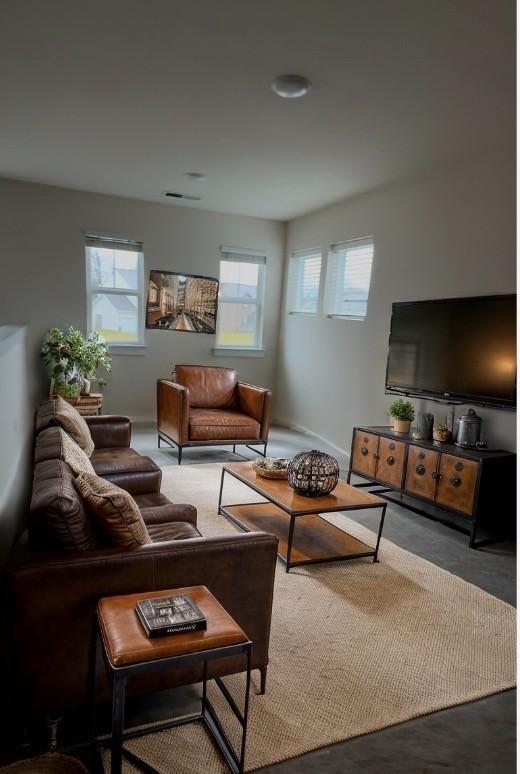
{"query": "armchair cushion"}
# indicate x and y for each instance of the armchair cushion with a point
(208, 386)
(177, 530)
(218, 425)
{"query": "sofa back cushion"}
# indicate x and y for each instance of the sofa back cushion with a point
(54, 443)
(58, 517)
(45, 414)
(115, 511)
(209, 386)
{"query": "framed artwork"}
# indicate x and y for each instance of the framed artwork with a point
(181, 302)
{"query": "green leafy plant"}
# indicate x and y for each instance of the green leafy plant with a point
(402, 409)
(71, 358)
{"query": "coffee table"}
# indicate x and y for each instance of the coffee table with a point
(303, 536)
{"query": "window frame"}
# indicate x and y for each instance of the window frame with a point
(332, 288)
(297, 257)
(243, 255)
(92, 290)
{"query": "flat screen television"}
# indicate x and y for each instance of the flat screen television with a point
(455, 349)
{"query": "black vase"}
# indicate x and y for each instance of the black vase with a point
(313, 473)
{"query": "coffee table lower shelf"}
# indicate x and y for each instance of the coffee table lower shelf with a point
(313, 540)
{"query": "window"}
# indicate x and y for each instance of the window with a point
(241, 297)
(348, 278)
(115, 304)
(304, 282)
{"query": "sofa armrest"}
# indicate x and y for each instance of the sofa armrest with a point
(50, 604)
(173, 409)
(109, 430)
(256, 403)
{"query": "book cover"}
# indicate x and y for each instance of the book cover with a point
(176, 614)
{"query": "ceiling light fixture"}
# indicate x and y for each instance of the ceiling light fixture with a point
(291, 86)
(198, 177)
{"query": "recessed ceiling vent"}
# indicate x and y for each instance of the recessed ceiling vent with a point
(188, 197)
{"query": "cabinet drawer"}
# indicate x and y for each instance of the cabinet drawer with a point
(364, 453)
(457, 483)
(390, 461)
(420, 472)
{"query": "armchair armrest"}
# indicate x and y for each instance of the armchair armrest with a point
(109, 430)
(256, 403)
(51, 602)
(173, 408)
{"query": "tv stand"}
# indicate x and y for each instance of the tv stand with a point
(469, 489)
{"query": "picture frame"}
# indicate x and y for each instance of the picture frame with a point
(178, 301)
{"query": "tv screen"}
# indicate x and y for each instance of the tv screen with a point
(456, 348)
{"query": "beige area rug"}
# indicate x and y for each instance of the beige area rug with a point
(355, 646)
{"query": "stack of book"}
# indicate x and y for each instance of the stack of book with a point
(162, 616)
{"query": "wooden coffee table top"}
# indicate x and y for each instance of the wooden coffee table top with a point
(343, 498)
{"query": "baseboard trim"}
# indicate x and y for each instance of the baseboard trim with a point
(342, 453)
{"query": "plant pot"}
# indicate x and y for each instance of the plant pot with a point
(85, 386)
(402, 425)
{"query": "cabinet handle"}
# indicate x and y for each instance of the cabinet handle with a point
(455, 481)
(365, 440)
(421, 456)
(391, 446)
(364, 451)
(390, 460)
(459, 466)
(420, 470)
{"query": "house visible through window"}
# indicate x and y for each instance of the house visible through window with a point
(304, 282)
(241, 297)
(115, 289)
(348, 278)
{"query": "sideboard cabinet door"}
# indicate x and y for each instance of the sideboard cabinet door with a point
(457, 483)
(421, 471)
(364, 453)
(390, 462)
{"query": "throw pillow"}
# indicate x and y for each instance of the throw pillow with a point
(73, 423)
(74, 455)
(114, 510)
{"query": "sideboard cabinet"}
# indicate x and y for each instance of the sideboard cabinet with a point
(475, 484)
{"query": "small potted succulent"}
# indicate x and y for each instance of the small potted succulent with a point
(403, 414)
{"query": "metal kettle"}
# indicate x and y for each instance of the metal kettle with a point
(468, 429)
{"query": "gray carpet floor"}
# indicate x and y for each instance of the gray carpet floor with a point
(476, 738)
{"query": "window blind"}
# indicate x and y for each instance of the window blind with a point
(304, 282)
(242, 254)
(109, 243)
(350, 270)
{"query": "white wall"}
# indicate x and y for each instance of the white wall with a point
(16, 431)
(42, 278)
(450, 233)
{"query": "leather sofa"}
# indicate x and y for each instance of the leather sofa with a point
(50, 594)
(209, 406)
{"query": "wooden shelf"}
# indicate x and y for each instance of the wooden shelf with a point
(314, 539)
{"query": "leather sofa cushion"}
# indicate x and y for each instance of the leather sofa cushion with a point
(208, 386)
(45, 414)
(127, 469)
(57, 513)
(219, 425)
(175, 530)
(73, 423)
(114, 510)
(55, 443)
(157, 509)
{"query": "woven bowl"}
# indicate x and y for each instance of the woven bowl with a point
(267, 468)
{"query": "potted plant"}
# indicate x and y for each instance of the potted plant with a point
(403, 414)
(72, 360)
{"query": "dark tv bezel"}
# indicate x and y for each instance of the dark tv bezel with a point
(447, 397)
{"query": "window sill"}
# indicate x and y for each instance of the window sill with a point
(238, 352)
(345, 317)
(135, 350)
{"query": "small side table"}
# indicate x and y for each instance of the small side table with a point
(128, 652)
(87, 405)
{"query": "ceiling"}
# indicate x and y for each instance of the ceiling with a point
(123, 96)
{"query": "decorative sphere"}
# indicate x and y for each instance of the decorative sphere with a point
(313, 473)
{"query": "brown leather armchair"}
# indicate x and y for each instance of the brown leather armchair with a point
(208, 406)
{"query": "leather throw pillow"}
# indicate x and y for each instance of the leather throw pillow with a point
(114, 510)
(73, 423)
